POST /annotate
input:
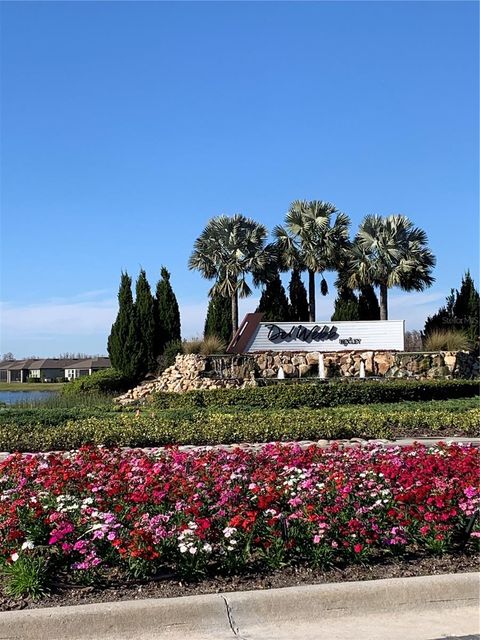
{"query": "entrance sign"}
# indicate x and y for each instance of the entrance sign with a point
(366, 335)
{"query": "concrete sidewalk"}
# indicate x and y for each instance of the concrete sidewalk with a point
(423, 608)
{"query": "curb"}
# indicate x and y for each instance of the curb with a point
(323, 444)
(222, 615)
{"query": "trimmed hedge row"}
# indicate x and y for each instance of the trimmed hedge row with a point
(318, 395)
(207, 428)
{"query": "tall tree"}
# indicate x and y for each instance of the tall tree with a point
(298, 298)
(167, 313)
(466, 307)
(274, 302)
(313, 240)
(460, 312)
(123, 339)
(390, 252)
(346, 306)
(368, 307)
(227, 251)
(145, 319)
(219, 318)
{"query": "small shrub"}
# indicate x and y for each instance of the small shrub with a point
(108, 382)
(212, 344)
(192, 346)
(448, 340)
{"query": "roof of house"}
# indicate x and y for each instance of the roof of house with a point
(55, 363)
(90, 363)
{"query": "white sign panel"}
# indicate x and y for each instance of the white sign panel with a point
(367, 335)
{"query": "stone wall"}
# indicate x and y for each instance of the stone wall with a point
(227, 372)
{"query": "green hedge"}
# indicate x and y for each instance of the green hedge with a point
(318, 395)
(203, 427)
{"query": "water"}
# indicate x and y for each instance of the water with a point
(14, 397)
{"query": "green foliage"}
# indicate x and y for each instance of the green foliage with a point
(26, 577)
(389, 252)
(274, 302)
(317, 395)
(298, 298)
(219, 318)
(227, 251)
(207, 427)
(460, 312)
(123, 342)
(346, 306)
(167, 313)
(368, 307)
(107, 382)
(447, 340)
(145, 326)
(313, 240)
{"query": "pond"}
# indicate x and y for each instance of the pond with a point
(14, 397)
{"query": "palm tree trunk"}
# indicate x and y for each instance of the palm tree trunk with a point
(383, 302)
(311, 295)
(234, 312)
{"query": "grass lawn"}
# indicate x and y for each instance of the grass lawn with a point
(31, 386)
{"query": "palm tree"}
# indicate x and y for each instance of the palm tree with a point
(313, 241)
(228, 249)
(389, 252)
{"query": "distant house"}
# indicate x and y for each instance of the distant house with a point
(86, 367)
(50, 369)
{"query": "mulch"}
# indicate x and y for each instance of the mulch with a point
(169, 586)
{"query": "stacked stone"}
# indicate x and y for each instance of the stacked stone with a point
(193, 371)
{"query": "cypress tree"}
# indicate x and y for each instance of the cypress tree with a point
(466, 307)
(167, 313)
(219, 318)
(368, 307)
(346, 306)
(443, 319)
(145, 319)
(123, 339)
(274, 301)
(460, 312)
(298, 298)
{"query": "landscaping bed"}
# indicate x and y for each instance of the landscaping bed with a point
(232, 518)
(149, 428)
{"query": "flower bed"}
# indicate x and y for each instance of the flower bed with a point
(140, 513)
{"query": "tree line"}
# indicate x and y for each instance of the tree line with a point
(386, 252)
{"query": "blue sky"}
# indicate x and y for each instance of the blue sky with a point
(126, 126)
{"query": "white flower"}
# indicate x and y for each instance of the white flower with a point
(28, 544)
(14, 557)
(182, 548)
(207, 547)
(228, 532)
(192, 550)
